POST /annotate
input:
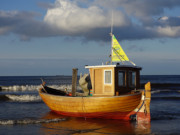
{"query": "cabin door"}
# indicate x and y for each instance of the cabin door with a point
(98, 79)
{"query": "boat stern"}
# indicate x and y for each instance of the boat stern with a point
(142, 112)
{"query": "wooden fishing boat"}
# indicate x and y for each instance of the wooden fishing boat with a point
(114, 93)
(115, 107)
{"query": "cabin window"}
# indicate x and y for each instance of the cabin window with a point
(107, 77)
(121, 78)
(132, 79)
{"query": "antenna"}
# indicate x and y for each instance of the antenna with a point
(111, 34)
(121, 58)
(112, 23)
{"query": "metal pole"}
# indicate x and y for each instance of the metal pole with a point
(111, 36)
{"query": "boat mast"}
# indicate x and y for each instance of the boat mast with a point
(111, 34)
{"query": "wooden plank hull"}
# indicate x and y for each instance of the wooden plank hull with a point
(116, 107)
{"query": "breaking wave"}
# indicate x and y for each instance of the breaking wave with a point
(24, 98)
(165, 91)
(17, 88)
(156, 87)
(30, 121)
(20, 98)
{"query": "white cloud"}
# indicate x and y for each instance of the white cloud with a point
(164, 18)
(4, 30)
(133, 19)
(71, 18)
(169, 31)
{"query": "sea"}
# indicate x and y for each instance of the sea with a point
(22, 111)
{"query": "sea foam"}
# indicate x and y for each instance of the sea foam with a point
(24, 98)
(30, 121)
(16, 88)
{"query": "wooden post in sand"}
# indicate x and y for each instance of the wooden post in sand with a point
(148, 98)
(143, 115)
(74, 81)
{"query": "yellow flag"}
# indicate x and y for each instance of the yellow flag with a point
(117, 52)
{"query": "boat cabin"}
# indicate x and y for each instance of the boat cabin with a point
(111, 80)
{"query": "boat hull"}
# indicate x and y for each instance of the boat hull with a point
(101, 115)
(116, 107)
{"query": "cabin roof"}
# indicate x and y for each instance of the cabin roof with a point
(123, 66)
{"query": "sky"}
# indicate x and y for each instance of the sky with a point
(50, 37)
